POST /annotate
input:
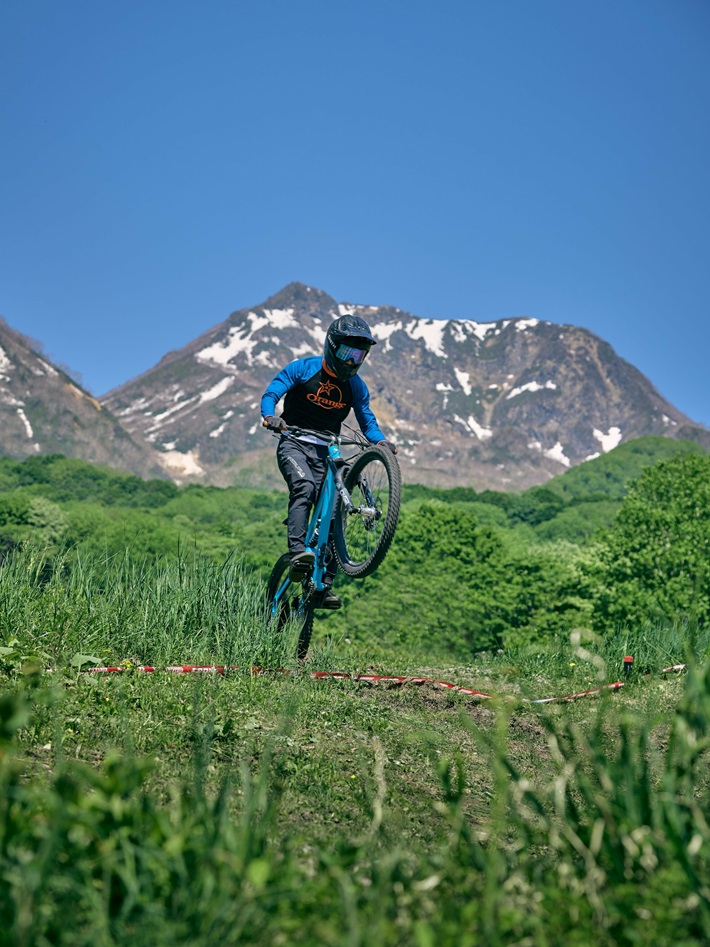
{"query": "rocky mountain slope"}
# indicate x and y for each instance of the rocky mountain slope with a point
(502, 405)
(43, 411)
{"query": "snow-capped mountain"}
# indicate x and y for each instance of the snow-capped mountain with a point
(502, 405)
(43, 411)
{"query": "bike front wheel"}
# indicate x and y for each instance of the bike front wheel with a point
(361, 540)
(290, 601)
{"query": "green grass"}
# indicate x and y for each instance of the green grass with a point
(279, 809)
(184, 608)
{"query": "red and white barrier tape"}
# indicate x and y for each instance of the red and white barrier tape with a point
(595, 690)
(316, 675)
(345, 675)
(628, 662)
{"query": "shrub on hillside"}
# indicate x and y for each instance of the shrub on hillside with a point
(451, 585)
(655, 559)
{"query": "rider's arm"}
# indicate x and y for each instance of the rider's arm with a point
(363, 412)
(294, 373)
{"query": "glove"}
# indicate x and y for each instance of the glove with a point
(274, 423)
(388, 444)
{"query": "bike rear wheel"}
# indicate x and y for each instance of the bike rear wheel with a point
(361, 541)
(294, 603)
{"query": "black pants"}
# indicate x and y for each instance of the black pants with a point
(303, 467)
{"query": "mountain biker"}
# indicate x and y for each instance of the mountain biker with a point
(318, 394)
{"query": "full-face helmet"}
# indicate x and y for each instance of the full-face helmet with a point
(347, 342)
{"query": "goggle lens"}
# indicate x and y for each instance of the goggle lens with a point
(347, 353)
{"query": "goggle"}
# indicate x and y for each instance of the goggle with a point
(347, 353)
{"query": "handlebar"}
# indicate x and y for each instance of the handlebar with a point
(327, 436)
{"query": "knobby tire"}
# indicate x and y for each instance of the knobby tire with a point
(296, 602)
(360, 542)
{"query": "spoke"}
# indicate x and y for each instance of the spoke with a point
(364, 530)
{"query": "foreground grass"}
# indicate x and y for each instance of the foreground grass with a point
(326, 739)
(280, 809)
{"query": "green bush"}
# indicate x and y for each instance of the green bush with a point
(655, 558)
(450, 585)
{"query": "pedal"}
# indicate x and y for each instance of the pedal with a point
(301, 565)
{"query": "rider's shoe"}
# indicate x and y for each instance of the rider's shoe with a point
(327, 599)
(301, 565)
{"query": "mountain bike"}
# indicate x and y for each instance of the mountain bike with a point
(354, 520)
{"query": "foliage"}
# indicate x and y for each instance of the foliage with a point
(579, 521)
(30, 518)
(598, 837)
(467, 570)
(455, 587)
(147, 611)
(610, 474)
(654, 559)
(65, 478)
(244, 808)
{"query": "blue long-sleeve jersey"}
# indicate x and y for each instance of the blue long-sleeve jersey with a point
(315, 399)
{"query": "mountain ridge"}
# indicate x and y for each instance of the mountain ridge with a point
(503, 405)
(43, 410)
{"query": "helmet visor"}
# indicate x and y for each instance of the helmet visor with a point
(347, 353)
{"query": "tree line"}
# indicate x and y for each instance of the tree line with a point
(623, 540)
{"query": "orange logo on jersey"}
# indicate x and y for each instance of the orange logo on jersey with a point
(328, 396)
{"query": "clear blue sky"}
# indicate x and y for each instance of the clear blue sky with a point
(165, 163)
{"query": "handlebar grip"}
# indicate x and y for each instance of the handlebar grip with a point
(277, 428)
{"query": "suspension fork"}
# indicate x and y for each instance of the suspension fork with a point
(342, 491)
(365, 487)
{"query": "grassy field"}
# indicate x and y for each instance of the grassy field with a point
(278, 809)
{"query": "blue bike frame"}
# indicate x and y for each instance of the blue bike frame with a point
(319, 526)
(318, 532)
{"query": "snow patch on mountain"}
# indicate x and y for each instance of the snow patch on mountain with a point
(431, 332)
(264, 358)
(189, 403)
(462, 378)
(5, 364)
(279, 318)
(446, 389)
(530, 386)
(241, 339)
(302, 351)
(216, 390)
(6, 396)
(383, 332)
(472, 425)
(558, 453)
(180, 465)
(28, 426)
(460, 329)
(317, 333)
(222, 353)
(610, 440)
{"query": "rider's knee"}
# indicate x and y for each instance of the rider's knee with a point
(304, 490)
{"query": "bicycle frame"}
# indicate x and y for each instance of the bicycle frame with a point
(318, 533)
